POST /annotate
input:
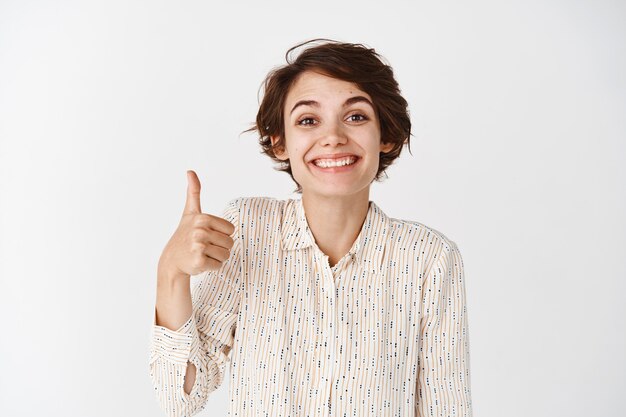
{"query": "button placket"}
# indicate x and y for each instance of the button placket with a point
(325, 320)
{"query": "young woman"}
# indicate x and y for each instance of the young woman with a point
(321, 305)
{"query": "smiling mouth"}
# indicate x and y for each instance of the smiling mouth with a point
(333, 163)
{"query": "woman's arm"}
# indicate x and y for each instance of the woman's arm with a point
(202, 343)
(443, 383)
(174, 308)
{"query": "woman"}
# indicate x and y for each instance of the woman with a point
(322, 305)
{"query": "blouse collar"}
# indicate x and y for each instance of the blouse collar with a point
(368, 248)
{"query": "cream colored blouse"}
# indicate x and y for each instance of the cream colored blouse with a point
(382, 333)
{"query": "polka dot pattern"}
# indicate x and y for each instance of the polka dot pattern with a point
(384, 332)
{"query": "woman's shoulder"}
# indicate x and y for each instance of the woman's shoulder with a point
(417, 233)
(258, 202)
(421, 241)
(260, 206)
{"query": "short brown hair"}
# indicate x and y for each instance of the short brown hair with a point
(350, 62)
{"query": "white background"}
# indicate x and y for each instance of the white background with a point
(518, 155)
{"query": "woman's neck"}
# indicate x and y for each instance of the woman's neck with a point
(335, 222)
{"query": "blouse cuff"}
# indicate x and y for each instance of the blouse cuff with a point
(175, 346)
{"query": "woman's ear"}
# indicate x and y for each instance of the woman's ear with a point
(279, 151)
(386, 147)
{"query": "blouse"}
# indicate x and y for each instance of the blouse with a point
(384, 332)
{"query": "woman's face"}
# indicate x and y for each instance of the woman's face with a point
(332, 136)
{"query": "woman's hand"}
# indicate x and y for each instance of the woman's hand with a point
(201, 241)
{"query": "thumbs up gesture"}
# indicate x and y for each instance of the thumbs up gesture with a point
(201, 241)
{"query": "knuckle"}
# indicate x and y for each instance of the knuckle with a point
(197, 234)
(199, 220)
(196, 263)
(197, 247)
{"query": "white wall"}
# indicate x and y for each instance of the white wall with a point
(518, 156)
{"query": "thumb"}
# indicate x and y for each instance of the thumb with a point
(192, 205)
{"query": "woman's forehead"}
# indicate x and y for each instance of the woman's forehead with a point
(321, 87)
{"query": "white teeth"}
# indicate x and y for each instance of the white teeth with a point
(327, 163)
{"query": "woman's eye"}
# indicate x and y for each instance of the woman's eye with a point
(357, 117)
(306, 121)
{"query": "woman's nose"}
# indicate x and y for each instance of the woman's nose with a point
(333, 134)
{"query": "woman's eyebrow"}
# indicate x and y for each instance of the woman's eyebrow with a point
(357, 99)
(348, 102)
